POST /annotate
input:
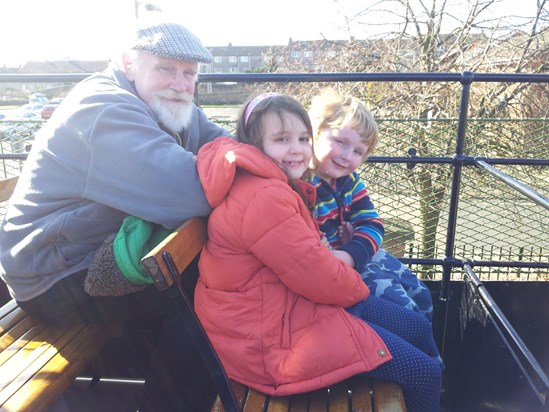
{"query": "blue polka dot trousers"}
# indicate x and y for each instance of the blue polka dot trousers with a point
(409, 337)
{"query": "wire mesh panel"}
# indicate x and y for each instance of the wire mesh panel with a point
(16, 137)
(495, 222)
(508, 138)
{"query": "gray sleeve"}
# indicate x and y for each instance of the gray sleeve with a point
(137, 168)
(204, 130)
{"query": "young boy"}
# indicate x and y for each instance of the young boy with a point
(344, 135)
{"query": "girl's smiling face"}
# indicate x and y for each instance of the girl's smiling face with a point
(287, 141)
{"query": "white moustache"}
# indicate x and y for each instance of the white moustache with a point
(175, 96)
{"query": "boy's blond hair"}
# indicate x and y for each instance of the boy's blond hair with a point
(331, 110)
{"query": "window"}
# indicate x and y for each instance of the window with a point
(232, 59)
(244, 59)
(295, 54)
(205, 68)
(218, 59)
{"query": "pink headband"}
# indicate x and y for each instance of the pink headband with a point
(253, 104)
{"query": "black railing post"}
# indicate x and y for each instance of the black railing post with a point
(449, 260)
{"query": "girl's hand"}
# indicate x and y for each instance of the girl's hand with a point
(324, 240)
(345, 232)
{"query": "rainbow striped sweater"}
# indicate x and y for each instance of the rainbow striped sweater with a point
(348, 200)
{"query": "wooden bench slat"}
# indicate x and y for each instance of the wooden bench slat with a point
(362, 394)
(8, 308)
(255, 401)
(318, 400)
(37, 353)
(278, 404)
(339, 397)
(39, 361)
(21, 342)
(58, 373)
(23, 326)
(25, 355)
(357, 394)
(299, 403)
(10, 319)
(10, 316)
(182, 245)
(241, 392)
(388, 396)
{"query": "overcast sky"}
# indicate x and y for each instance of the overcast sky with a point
(92, 29)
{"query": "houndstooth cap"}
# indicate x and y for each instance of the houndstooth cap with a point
(171, 40)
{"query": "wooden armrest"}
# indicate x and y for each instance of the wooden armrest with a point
(6, 188)
(184, 244)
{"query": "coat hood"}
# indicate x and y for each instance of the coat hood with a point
(219, 161)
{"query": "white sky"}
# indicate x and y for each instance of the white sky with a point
(92, 29)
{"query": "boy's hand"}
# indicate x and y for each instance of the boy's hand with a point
(345, 232)
(344, 257)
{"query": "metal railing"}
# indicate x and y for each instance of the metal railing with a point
(525, 360)
(457, 161)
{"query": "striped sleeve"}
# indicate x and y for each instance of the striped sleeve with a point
(368, 226)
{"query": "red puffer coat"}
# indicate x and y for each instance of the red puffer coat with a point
(270, 295)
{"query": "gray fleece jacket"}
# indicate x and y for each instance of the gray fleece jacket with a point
(101, 157)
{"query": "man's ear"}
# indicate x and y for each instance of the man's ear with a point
(127, 62)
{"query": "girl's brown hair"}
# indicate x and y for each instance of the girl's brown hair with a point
(248, 128)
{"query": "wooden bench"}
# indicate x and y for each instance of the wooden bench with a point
(38, 361)
(168, 261)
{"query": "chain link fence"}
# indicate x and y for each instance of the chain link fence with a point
(494, 222)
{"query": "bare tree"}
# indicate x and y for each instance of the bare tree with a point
(431, 36)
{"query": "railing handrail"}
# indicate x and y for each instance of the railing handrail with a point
(536, 197)
(461, 77)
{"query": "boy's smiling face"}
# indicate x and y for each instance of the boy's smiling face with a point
(338, 152)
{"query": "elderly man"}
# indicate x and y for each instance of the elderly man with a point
(122, 143)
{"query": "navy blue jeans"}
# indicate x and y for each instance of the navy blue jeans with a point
(408, 336)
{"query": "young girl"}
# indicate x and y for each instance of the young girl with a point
(272, 293)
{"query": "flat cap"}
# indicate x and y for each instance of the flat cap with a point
(170, 40)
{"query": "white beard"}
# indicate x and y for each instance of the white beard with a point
(175, 116)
